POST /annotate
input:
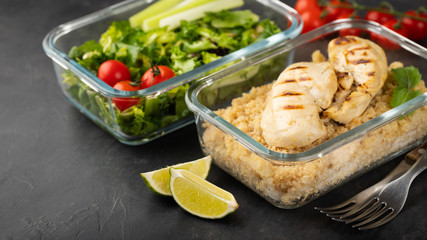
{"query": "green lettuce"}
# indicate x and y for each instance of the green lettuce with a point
(183, 49)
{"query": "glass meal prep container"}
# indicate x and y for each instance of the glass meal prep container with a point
(93, 97)
(226, 106)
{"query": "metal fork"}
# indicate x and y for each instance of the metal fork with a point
(383, 201)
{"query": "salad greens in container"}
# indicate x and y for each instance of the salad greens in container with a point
(127, 67)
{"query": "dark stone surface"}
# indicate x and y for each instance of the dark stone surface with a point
(62, 177)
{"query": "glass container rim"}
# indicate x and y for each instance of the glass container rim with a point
(62, 59)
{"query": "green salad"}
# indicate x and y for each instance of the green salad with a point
(182, 49)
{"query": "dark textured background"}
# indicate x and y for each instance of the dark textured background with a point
(62, 177)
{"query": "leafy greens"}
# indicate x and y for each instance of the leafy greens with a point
(183, 49)
(407, 78)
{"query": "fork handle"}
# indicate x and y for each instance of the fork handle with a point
(405, 165)
(419, 166)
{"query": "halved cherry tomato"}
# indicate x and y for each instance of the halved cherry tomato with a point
(113, 71)
(334, 10)
(417, 30)
(126, 86)
(386, 43)
(349, 31)
(303, 5)
(312, 19)
(155, 75)
(378, 17)
(125, 103)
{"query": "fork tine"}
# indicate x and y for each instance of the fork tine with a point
(342, 208)
(374, 217)
(339, 211)
(337, 207)
(381, 221)
(375, 207)
(356, 209)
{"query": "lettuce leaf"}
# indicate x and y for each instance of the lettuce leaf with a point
(232, 19)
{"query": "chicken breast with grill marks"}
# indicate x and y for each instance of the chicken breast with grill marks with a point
(291, 118)
(361, 68)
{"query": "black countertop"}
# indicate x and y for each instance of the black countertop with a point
(62, 177)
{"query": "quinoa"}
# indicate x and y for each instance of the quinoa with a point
(293, 185)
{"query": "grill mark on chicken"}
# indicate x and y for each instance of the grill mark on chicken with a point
(289, 94)
(305, 79)
(343, 40)
(351, 51)
(360, 61)
(298, 67)
(293, 107)
(370, 73)
(288, 81)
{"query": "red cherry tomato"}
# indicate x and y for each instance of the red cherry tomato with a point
(303, 5)
(113, 71)
(334, 10)
(349, 31)
(378, 17)
(126, 86)
(417, 30)
(125, 103)
(312, 19)
(155, 75)
(386, 43)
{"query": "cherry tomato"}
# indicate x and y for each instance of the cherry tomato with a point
(113, 71)
(303, 5)
(125, 103)
(378, 17)
(155, 75)
(417, 30)
(334, 10)
(386, 43)
(349, 31)
(312, 19)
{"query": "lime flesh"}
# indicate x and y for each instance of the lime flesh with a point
(200, 197)
(158, 180)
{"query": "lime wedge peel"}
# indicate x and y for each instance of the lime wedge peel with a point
(200, 197)
(158, 180)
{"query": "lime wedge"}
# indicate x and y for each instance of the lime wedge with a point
(158, 180)
(200, 197)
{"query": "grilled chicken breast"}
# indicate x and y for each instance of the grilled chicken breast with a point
(361, 69)
(291, 118)
(318, 79)
(344, 86)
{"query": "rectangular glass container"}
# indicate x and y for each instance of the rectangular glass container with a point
(291, 179)
(93, 97)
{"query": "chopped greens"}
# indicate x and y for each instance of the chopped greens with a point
(183, 49)
(234, 19)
